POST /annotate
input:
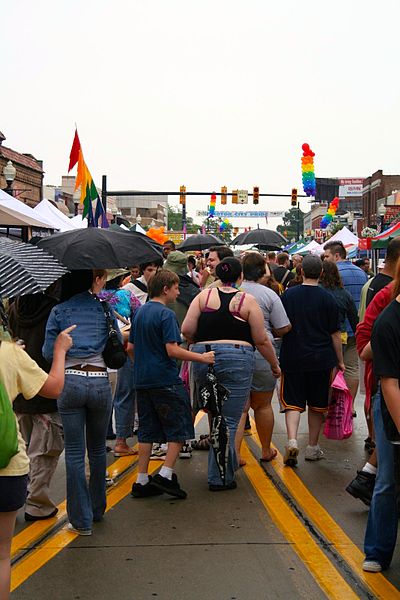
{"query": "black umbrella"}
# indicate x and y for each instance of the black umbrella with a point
(265, 238)
(200, 241)
(93, 248)
(26, 269)
(213, 395)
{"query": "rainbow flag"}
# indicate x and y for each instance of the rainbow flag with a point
(84, 180)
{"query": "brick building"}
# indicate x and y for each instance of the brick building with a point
(377, 191)
(28, 182)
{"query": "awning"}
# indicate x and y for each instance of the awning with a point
(46, 210)
(15, 213)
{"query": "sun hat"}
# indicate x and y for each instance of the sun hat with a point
(176, 262)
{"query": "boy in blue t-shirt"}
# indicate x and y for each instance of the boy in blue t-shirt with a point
(162, 401)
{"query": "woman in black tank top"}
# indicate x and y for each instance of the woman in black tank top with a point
(231, 322)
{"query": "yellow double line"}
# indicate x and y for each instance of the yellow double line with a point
(38, 557)
(282, 515)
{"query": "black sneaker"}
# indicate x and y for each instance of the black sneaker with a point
(144, 491)
(222, 488)
(169, 486)
(362, 487)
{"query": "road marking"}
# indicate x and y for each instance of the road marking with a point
(378, 584)
(323, 571)
(61, 538)
(31, 534)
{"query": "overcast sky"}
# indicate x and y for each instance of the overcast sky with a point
(206, 93)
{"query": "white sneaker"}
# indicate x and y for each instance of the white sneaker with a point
(313, 453)
(73, 529)
(159, 452)
(186, 451)
(372, 566)
(291, 453)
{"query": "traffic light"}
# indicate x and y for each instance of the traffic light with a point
(256, 195)
(294, 197)
(224, 191)
(234, 196)
(182, 195)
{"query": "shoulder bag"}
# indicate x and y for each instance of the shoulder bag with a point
(114, 353)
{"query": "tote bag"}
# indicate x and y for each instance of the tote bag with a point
(339, 420)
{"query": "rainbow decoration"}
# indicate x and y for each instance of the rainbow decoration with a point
(307, 168)
(211, 208)
(331, 212)
(224, 225)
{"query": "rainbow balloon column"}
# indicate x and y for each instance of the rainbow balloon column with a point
(224, 226)
(211, 208)
(326, 219)
(307, 167)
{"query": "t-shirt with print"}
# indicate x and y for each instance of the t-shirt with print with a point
(20, 375)
(153, 326)
(271, 305)
(314, 316)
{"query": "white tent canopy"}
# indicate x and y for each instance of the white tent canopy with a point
(50, 213)
(79, 222)
(14, 213)
(345, 236)
(312, 248)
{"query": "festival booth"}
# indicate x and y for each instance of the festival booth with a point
(79, 222)
(50, 213)
(312, 248)
(381, 240)
(348, 239)
(17, 218)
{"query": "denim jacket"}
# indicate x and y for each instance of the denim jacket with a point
(90, 335)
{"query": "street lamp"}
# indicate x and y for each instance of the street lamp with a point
(381, 214)
(9, 172)
(350, 219)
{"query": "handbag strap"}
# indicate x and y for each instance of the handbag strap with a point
(107, 313)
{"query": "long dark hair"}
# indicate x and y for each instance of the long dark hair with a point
(330, 276)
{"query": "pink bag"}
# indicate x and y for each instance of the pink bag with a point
(184, 375)
(339, 420)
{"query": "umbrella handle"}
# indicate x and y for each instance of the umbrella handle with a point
(210, 367)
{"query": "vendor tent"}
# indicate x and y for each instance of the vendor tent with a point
(348, 239)
(48, 211)
(382, 239)
(312, 248)
(79, 222)
(15, 213)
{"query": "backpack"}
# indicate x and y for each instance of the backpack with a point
(8, 429)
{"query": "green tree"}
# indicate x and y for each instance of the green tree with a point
(175, 221)
(293, 223)
(213, 225)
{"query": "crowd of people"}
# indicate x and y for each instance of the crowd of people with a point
(285, 323)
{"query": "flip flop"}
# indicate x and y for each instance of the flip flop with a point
(273, 455)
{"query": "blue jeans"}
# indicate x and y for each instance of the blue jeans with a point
(381, 533)
(124, 400)
(84, 407)
(234, 365)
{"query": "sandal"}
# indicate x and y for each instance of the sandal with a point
(124, 451)
(274, 454)
(202, 444)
